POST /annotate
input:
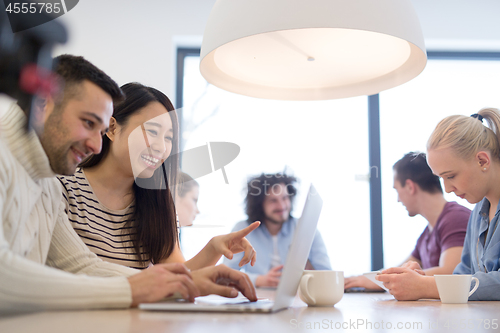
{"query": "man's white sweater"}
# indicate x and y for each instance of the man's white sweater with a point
(43, 262)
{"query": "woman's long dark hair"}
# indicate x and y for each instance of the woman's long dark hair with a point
(154, 218)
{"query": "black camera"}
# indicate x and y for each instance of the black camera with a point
(26, 55)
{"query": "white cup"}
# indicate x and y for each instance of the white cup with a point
(321, 288)
(454, 288)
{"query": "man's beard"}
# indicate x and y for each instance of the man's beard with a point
(273, 221)
(53, 134)
(58, 158)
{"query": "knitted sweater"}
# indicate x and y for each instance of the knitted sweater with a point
(43, 263)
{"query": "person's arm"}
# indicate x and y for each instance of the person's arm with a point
(405, 284)
(27, 285)
(408, 282)
(318, 256)
(448, 260)
(31, 286)
(410, 259)
(270, 279)
(489, 282)
(364, 282)
(68, 252)
(226, 245)
(489, 286)
(175, 257)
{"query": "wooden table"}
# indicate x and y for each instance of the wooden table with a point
(358, 312)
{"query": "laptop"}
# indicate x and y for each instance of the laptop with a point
(290, 278)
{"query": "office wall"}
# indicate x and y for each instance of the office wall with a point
(134, 40)
(460, 24)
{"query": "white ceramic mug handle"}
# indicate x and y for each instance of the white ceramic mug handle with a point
(305, 292)
(475, 287)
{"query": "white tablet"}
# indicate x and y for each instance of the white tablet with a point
(371, 277)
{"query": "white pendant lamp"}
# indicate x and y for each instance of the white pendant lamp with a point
(311, 49)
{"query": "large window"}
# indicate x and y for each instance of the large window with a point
(327, 143)
(276, 136)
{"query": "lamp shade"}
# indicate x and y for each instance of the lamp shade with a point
(311, 49)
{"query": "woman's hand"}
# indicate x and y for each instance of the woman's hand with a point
(406, 284)
(235, 242)
(224, 281)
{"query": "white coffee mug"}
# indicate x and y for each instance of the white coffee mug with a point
(454, 288)
(321, 288)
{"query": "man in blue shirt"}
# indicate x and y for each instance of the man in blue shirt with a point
(270, 200)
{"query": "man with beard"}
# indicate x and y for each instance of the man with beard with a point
(44, 265)
(269, 200)
(439, 247)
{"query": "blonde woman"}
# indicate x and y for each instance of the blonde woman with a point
(465, 153)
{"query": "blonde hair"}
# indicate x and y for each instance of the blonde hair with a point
(467, 135)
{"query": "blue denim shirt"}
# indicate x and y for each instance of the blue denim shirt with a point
(481, 255)
(262, 242)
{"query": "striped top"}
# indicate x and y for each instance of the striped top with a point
(106, 232)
